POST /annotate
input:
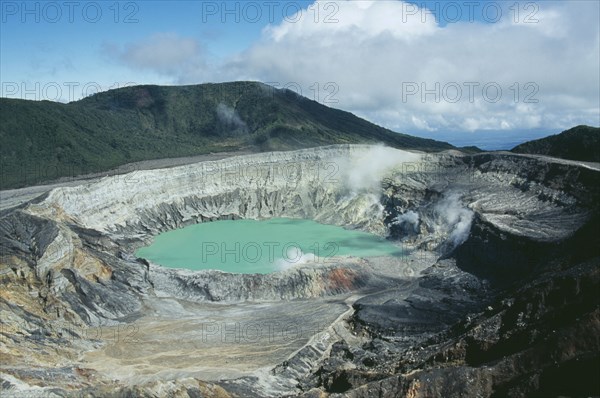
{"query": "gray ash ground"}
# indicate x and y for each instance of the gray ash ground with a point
(508, 308)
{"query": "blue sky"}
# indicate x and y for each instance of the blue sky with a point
(490, 73)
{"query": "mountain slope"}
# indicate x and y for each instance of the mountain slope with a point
(44, 140)
(578, 143)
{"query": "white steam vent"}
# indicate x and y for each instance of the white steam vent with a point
(457, 217)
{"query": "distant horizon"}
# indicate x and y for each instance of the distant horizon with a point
(463, 72)
(493, 140)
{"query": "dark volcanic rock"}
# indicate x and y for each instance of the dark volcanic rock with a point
(497, 295)
(541, 339)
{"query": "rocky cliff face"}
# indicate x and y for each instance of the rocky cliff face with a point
(306, 184)
(470, 225)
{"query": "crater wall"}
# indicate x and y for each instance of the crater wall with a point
(67, 258)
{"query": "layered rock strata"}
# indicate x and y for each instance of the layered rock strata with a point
(469, 225)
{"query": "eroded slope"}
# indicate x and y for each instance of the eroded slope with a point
(68, 268)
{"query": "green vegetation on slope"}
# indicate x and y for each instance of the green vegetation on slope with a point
(44, 140)
(579, 143)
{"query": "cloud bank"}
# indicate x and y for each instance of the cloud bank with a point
(164, 53)
(411, 73)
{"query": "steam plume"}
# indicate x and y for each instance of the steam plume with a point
(230, 119)
(457, 217)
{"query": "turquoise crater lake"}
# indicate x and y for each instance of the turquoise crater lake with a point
(251, 246)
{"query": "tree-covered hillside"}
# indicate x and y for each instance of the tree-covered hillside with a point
(43, 140)
(578, 143)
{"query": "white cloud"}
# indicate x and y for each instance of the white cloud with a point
(470, 124)
(355, 19)
(377, 51)
(374, 63)
(421, 124)
(165, 53)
